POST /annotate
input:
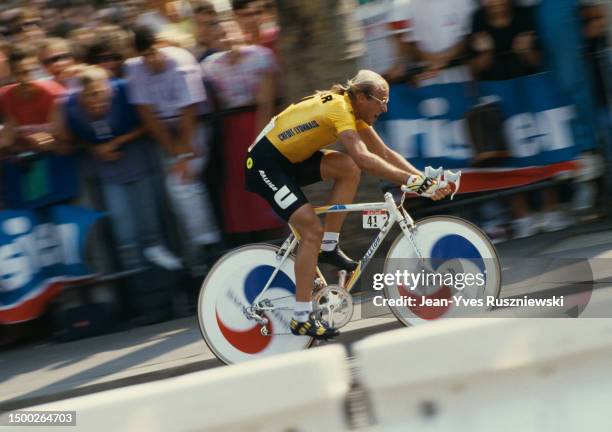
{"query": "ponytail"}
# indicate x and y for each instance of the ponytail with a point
(365, 81)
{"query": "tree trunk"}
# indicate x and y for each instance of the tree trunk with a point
(320, 42)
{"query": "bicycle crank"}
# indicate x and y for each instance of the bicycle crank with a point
(334, 305)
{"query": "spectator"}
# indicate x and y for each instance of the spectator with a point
(504, 43)
(100, 118)
(165, 84)
(243, 75)
(103, 54)
(119, 39)
(37, 176)
(207, 31)
(151, 17)
(175, 12)
(28, 26)
(248, 15)
(438, 38)
(503, 39)
(243, 80)
(57, 57)
(384, 28)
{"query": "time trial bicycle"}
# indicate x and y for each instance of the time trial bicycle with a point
(246, 301)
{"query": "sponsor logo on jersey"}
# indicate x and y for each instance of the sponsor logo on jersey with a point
(304, 127)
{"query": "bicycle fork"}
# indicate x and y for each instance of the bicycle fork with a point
(409, 229)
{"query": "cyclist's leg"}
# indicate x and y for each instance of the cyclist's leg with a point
(278, 181)
(308, 225)
(345, 173)
(339, 167)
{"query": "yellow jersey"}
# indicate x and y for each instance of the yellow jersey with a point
(313, 123)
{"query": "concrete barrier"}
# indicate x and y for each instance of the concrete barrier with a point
(491, 375)
(302, 391)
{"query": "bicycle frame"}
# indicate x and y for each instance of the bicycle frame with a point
(397, 214)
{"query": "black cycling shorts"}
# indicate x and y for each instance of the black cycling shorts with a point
(277, 180)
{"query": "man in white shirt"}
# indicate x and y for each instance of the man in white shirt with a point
(439, 30)
(384, 26)
(165, 84)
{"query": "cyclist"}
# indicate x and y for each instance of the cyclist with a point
(290, 153)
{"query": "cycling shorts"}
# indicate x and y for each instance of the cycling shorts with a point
(277, 180)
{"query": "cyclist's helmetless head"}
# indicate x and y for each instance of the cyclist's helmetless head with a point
(369, 94)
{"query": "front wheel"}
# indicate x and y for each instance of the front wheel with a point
(460, 275)
(230, 288)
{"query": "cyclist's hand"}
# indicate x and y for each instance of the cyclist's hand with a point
(421, 185)
(427, 187)
(441, 193)
(449, 181)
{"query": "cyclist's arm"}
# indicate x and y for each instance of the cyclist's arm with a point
(376, 145)
(371, 162)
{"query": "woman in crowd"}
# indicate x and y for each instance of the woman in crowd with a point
(243, 80)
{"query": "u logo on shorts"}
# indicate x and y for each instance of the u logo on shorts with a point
(249, 163)
(284, 198)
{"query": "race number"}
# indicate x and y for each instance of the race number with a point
(374, 219)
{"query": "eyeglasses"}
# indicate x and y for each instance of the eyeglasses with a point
(56, 58)
(384, 101)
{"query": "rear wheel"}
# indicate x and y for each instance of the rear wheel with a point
(230, 288)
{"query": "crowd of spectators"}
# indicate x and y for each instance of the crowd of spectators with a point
(114, 106)
(461, 41)
(130, 96)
